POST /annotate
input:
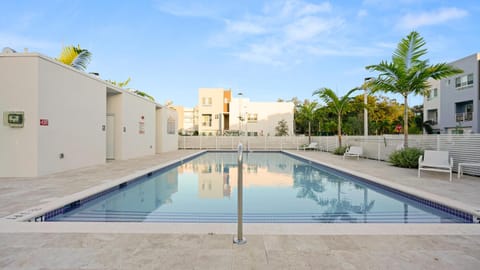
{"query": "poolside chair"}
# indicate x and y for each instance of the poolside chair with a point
(353, 151)
(436, 161)
(311, 146)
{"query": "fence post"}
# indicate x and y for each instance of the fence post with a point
(438, 142)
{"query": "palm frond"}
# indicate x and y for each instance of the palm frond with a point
(76, 57)
(410, 49)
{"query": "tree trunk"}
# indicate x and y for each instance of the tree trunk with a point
(339, 130)
(309, 133)
(405, 124)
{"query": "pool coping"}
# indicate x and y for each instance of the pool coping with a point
(13, 223)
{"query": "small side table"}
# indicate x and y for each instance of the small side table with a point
(463, 164)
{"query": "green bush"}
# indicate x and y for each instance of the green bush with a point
(340, 150)
(406, 158)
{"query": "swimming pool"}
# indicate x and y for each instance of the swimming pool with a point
(278, 188)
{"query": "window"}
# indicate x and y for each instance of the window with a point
(252, 117)
(206, 120)
(464, 111)
(432, 115)
(464, 81)
(206, 101)
(171, 125)
(433, 94)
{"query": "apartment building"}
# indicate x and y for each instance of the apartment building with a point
(453, 103)
(213, 110)
(187, 120)
(260, 118)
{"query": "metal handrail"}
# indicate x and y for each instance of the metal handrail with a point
(240, 240)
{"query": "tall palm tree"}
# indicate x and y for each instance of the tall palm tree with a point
(339, 105)
(408, 73)
(76, 57)
(306, 113)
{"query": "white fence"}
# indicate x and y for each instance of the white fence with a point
(462, 147)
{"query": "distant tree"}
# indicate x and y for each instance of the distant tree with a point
(75, 57)
(282, 128)
(339, 105)
(407, 73)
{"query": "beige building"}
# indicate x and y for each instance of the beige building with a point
(56, 118)
(218, 113)
(213, 110)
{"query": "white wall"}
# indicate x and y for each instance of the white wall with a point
(19, 92)
(166, 142)
(135, 144)
(268, 115)
(74, 104)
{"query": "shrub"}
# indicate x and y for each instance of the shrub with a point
(406, 158)
(340, 150)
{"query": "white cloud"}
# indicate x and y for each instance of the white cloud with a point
(308, 28)
(439, 16)
(244, 27)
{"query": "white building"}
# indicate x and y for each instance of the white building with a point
(56, 118)
(260, 118)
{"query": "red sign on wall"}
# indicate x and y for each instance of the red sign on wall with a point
(43, 122)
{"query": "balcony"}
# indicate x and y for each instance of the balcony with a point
(466, 116)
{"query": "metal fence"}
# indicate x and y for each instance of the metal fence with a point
(462, 147)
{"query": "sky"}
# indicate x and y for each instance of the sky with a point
(265, 50)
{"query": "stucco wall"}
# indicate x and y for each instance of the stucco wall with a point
(165, 141)
(74, 104)
(135, 143)
(268, 116)
(18, 92)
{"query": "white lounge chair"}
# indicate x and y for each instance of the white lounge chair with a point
(311, 146)
(436, 161)
(353, 151)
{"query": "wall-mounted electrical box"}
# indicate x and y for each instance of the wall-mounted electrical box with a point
(13, 119)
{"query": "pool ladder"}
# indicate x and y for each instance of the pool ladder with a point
(239, 239)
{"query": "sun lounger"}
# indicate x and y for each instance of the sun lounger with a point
(436, 161)
(311, 146)
(353, 151)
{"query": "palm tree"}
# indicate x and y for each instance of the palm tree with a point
(76, 57)
(407, 73)
(339, 105)
(306, 113)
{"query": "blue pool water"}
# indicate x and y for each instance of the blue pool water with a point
(277, 188)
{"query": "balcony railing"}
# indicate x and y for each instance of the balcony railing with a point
(466, 116)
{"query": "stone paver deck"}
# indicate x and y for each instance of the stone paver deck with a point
(148, 246)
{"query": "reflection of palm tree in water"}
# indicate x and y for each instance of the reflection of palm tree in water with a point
(341, 209)
(310, 183)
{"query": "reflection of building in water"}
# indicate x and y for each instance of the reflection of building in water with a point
(143, 197)
(215, 183)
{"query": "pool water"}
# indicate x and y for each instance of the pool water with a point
(277, 188)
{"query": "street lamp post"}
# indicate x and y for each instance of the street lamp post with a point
(365, 111)
(240, 112)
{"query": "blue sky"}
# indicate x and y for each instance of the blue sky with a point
(264, 49)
